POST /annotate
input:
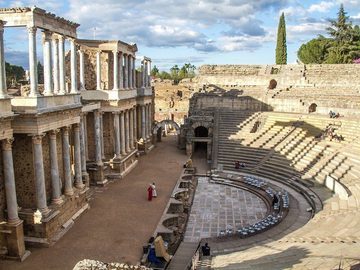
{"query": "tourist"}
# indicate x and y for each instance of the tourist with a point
(154, 193)
(205, 250)
(242, 165)
(150, 192)
(237, 164)
(275, 200)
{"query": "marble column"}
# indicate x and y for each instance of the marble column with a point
(148, 73)
(98, 70)
(126, 71)
(127, 132)
(82, 70)
(116, 70)
(9, 181)
(131, 126)
(135, 126)
(130, 71)
(134, 72)
(33, 62)
(122, 134)
(62, 82)
(55, 179)
(102, 135)
(97, 127)
(146, 122)
(39, 175)
(117, 135)
(143, 73)
(121, 70)
(149, 120)
(66, 162)
(77, 157)
(48, 85)
(83, 148)
(3, 87)
(86, 136)
(143, 123)
(55, 63)
(73, 67)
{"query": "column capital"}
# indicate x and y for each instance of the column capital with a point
(7, 144)
(66, 129)
(117, 112)
(47, 35)
(76, 126)
(53, 133)
(115, 52)
(31, 29)
(37, 139)
(61, 38)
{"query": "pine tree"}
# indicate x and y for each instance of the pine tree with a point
(281, 50)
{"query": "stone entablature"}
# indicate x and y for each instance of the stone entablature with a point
(37, 17)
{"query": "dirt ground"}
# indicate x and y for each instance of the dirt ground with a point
(120, 220)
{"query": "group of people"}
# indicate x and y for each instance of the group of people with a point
(329, 132)
(334, 114)
(151, 191)
(239, 165)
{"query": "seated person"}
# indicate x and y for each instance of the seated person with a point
(205, 250)
(242, 165)
(237, 164)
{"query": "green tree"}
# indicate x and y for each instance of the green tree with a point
(341, 30)
(174, 71)
(281, 49)
(13, 73)
(154, 72)
(315, 51)
(164, 75)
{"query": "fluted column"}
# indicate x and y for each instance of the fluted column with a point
(55, 64)
(55, 179)
(97, 126)
(121, 71)
(127, 132)
(62, 87)
(77, 157)
(48, 85)
(3, 87)
(9, 181)
(82, 70)
(122, 133)
(39, 175)
(98, 70)
(126, 71)
(66, 162)
(143, 73)
(143, 123)
(134, 72)
(146, 122)
(131, 126)
(83, 147)
(73, 67)
(148, 73)
(117, 135)
(86, 136)
(130, 71)
(116, 70)
(33, 62)
(149, 121)
(135, 125)
(102, 135)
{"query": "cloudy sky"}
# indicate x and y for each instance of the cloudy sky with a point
(201, 32)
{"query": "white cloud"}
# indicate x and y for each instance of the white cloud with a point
(323, 6)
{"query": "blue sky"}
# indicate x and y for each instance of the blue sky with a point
(201, 32)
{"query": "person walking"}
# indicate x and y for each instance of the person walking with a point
(150, 192)
(154, 193)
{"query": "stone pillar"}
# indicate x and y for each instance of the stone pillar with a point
(143, 123)
(86, 137)
(121, 71)
(116, 70)
(66, 161)
(149, 120)
(129, 59)
(9, 180)
(117, 135)
(73, 67)
(134, 72)
(82, 70)
(39, 175)
(146, 121)
(131, 126)
(77, 157)
(98, 70)
(126, 71)
(84, 173)
(55, 179)
(48, 86)
(122, 133)
(127, 132)
(3, 87)
(33, 62)
(135, 126)
(55, 64)
(62, 88)
(102, 135)
(143, 73)
(148, 73)
(97, 126)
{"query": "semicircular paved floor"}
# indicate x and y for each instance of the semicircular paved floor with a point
(219, 207)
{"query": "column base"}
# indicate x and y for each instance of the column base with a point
(115, 163)
(145, 147)
(96, 174)
(14, 234)
(85, 178)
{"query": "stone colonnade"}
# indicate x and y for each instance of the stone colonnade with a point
(146, 69)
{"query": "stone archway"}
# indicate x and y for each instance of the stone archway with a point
(160, 126)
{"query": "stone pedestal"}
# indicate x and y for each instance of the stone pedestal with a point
(14, 234)
(96, 174)
(145, 147)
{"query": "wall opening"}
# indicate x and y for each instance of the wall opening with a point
(312, 108)
(201, 132)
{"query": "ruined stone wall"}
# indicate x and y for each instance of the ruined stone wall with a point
(108, 135)
(90, 135)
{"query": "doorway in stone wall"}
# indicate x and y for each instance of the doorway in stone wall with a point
(200, 142)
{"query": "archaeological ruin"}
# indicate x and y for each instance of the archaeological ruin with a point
(266, 158)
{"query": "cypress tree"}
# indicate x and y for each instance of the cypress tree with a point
(281, 50)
